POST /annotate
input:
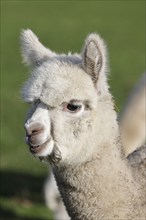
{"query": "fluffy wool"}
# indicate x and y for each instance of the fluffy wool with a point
(93, 177)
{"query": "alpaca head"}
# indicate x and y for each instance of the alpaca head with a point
(65, 92)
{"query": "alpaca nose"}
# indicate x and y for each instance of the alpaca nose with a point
(33, 133)
(33, 129)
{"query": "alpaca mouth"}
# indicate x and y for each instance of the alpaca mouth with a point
(48, 151)
(44, 149)
(38, 148)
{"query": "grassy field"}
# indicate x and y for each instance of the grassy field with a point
(62, 26)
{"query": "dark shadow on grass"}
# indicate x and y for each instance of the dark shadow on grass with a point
(23, 189)
(21, 185)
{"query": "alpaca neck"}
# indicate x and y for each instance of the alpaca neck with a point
(83, 184)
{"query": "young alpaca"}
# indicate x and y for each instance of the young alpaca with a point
(73, 125)
(133, 118)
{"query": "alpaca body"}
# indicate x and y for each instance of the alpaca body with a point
(73, 125)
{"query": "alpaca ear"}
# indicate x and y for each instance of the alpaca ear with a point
(33, 52)
(94, 60)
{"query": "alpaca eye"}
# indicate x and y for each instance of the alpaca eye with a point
(73, 107)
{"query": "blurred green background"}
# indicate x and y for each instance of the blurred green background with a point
(61, 26)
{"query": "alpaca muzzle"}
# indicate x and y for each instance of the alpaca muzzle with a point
(39, 143)
(34, 134)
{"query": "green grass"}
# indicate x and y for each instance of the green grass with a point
(22, 196)
(62, 26)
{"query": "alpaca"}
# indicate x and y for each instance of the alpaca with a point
(73, 125)
(133, 118)
(133, 136)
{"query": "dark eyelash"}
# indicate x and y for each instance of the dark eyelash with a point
(73, 107)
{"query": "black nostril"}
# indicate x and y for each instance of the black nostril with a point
(34, 129)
